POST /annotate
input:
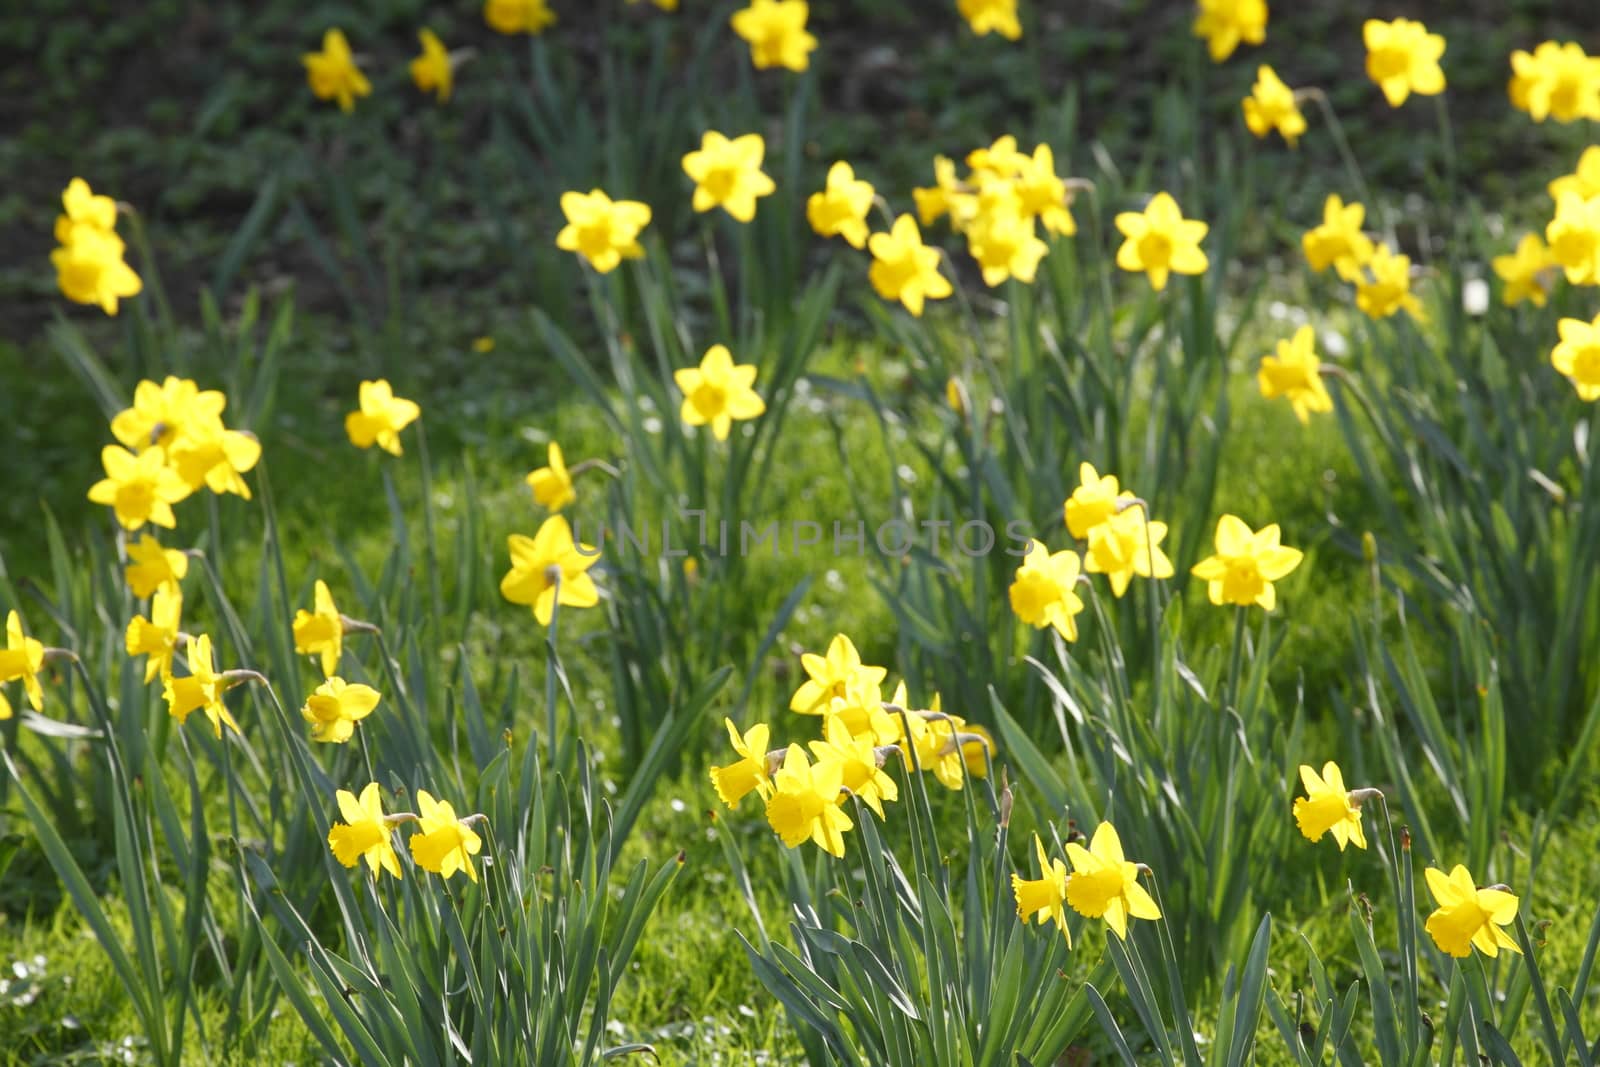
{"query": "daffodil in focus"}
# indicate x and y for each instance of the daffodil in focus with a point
(1578, 356)
(1095, 500)
(552, 484)
(21, 661)
(151, 567)
(1125, 545)
(991, 16)
(1159, 241)
(1043, 899)
(1556, 81)
(1104, 885)
(1294, 371)
(837, 674)
(1468, 917)
(320, 631)
(718, 392)
(1584, 179)
(1327, 807)
(333, 73)
(728, 174)
(200, 690)
(601, 230)
(443, 843)
(804, 804)
(1225, 23)
(1403, 58)
(1574, 236)
(1246, 564)
(380, 417)
(157, 636)
(860, 770)
(1339, 242)
(775, 30)
(335, 708)
(748, 774)
(840, 209)
(1525, 272)
(1387, 290)
(548, 568)
(905, 269)
(365, 834)
(1044, 592)
(138, 489)
(1271, 106)
(432, 71)
(518, 16)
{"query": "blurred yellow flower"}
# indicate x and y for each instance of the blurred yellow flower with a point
(201, 689)
(1003, 241)
(718, 392)
(1584, 179)
(805, 803)
(1327, 807)
(139, 489)
(1045, 590)
(1295, 372)
(1388, 289)
(335, 708)
(1574, 236)
(443, 843)
(552, 484)
(664, 5)
(21, 660)
(1104, 885)
(1469, 917)
(518, 16)
(1525, 272)
(548, 568)
(1339, 242)
(432, 71)
(150, 567)
(840, 209)
(1043, 194)
(947, 196)
(602, 230)
(1246, 564)
(1095, 500)
(320, 631)
(1002, 159)
(1271, 106)
(838, 674)
(1126, 544)
(483, 344)
(365, 833)
(381, 417)
(157, 636)
(215, 458)
(728, 174)
(1578, 355)
(84, 208)
(775, 30)
(1403, 58)
(859, 767)
(1224, 23)
(1043, 899)
(1159, 241)
(163, 414)
(748, 774)
(1557, 81)
(905, 269)
(90, 270)
(991, 16)
(333, 73)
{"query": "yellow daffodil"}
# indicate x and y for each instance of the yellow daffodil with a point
(728, 174)
(1246, 564)
(664, 5)
(840, 209)
(837, 674)
(861, 711)
(775, 30)
(947, 196)
(1525, 272)
(1578, 355)
(216, 459)
(335, 708)
(1327, 808)
(947, 746)
(1556, 81)
(991, 16)
(748, 774)
(860, 771)
(1045, 590)
(84, 208)
(1002, 159)
(602, 230)
(1125, 545)
(518, 16)
(1104, 885)
(443, 843)
(1339, 242)
(1584, 179)
(320, 631)
(905, 269)
(139, 489)
(90, 270)
(1005, 245)
(201, 689)
(1271, 106)
(1159, 241)
(21, 660)
(1295, 372)
(1574, 236)
(805, 803)
(1225, 23)
(1043, 899)
(151, 567)
(552, 484)
(1096, 499)
(167, 413)
(1469, 917)
(1403, 58)
(1043, 194)
(432, 71)
(1388, 288)
(381, 417)
(157, 636)
(365, 833)
(333, 73)
(718, 392)
(548, 568)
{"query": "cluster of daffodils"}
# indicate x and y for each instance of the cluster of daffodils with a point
(805, 795)
(1382, 277)
(334, 73)
(442, 844)
(88, 260)
(1103, 884)
(1556, 81)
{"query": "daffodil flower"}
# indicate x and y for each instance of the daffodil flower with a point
(1468, 917)
(1104, 885)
